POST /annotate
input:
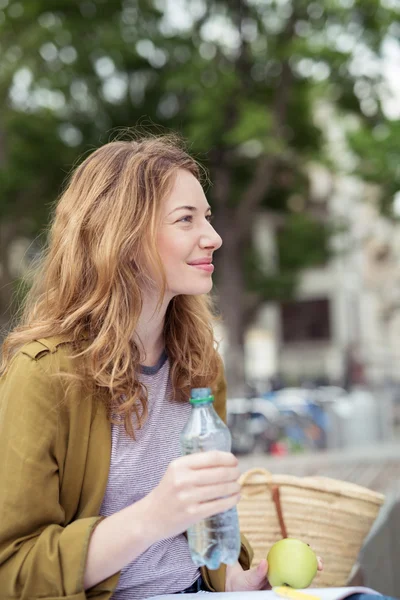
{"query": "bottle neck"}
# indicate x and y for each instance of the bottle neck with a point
(205, 404)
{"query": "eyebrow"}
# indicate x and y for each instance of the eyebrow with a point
(191, 208)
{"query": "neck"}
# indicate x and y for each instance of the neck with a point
(149, 333)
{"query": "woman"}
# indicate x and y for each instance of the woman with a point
(94, 496)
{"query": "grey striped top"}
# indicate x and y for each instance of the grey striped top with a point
(137, 466)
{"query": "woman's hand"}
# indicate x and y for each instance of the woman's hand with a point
(238, 580)
(193, 488)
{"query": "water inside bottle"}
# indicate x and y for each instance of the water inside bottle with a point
(214, 540)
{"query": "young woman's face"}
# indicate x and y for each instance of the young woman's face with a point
(186, 239)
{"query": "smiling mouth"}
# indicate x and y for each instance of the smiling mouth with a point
(208, 267)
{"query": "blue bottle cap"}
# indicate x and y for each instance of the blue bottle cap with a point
(201, 396)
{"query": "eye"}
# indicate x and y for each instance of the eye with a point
(210, 217)
(187, 219)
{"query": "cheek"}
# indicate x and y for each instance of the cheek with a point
(168, 250)
(172, 248)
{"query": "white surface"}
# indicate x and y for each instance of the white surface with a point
(322, 593)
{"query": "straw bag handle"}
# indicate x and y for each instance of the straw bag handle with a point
(275, 494)
(245, 476)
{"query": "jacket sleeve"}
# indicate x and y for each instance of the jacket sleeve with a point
(215, 580)
(40, 557)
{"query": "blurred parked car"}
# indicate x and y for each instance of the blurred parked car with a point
(254, 424)
(301, 419)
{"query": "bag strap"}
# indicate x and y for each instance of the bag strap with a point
(274, 489)
(276, 497)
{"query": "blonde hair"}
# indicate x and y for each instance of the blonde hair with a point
(102, 233)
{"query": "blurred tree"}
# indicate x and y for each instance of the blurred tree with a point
(240, 79)
(378, 145)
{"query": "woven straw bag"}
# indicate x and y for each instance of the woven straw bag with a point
(330, 515)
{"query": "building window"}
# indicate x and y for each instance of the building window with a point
(305, 321)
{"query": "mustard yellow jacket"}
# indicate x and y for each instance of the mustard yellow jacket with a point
(54, 463)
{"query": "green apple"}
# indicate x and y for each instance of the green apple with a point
(291, 562)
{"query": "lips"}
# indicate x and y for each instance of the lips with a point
(200, 261)
(203, 266)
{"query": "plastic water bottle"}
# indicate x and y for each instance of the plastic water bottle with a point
(214, 540)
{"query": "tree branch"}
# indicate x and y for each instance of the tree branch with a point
(264, 171)
(254, 194)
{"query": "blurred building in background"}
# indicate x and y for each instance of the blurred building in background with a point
(343, 326)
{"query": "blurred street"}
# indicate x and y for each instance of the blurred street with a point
(374, 466)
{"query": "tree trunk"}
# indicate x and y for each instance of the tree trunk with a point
(231, 294)
(7, 235)
(235, 224)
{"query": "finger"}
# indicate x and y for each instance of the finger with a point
(263, 567)
(210, 476)
(209, 509)
(256, 578)
(212, 458)
(208, 493)
(265, 583)
(320, 564)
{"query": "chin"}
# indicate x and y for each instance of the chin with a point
(194, 290)
(189, 284)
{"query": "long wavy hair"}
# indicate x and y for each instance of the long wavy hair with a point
(102, 232)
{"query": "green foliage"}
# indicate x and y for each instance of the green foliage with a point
(380, 151)
(271, 287)
(32, 173)
(74, 72)
(303, 242)
(254, 122)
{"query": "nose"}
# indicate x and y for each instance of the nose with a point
(210, 238)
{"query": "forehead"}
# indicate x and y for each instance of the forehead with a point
(186, 190)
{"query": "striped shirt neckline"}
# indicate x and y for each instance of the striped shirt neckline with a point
(155, 368)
